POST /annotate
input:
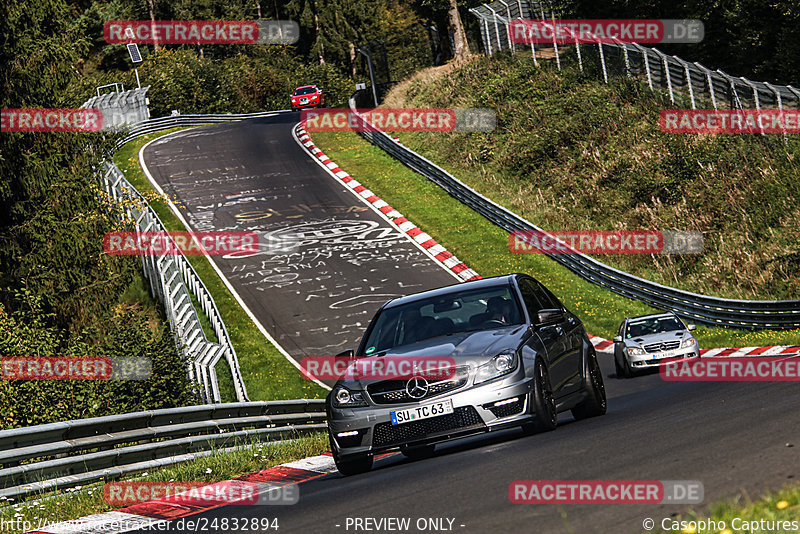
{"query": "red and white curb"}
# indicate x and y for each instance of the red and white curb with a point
(437, 251)
(145, 514)
(465, 273)
(607, 346)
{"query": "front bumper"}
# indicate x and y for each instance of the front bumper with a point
(473, 412)
(657, 359)
(308, 104)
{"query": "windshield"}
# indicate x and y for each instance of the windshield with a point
(653, 326)
(304, 91)
(478, 309)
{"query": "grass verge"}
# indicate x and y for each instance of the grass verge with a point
(267, 374)
(573, 153)
(780, 511)
(52, 507)
(484, 246)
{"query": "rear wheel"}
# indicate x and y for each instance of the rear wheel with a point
(542, 401)
(595, 404)
(417, 452)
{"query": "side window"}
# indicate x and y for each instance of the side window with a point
(547, 298)
(622, 329)
(529, 296)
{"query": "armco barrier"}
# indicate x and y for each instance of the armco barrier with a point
(60, 455)
(713, 311)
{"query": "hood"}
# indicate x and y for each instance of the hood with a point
(465, 348)
(672, 335)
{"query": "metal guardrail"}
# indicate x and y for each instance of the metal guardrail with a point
(59, 455)
(171, 276)
(713, 311)
(177, 121)
(172, 279)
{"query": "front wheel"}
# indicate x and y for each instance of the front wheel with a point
(541, 398)
(350, 465)
(596, 403)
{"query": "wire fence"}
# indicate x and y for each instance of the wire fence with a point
(173, 282)
(687, 83)
(172, 279)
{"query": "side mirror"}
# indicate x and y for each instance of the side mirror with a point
(691, 327)
(550, 316)
(348, 353)
(617, 339)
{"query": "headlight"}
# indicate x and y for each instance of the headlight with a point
(688, 342)
(636, 351)
(500, 365)
(344, 398)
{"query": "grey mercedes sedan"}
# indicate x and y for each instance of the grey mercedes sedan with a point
(649, 341)
(519, 358)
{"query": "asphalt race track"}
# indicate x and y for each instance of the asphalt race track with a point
(732, 437)
(326, 260)
(729, 436)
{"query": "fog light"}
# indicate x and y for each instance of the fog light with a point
(504, 402)
(347, 434)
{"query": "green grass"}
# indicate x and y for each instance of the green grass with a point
(783, 505)
(484, 246)
(572, 153)
(254, 456)
(267, 374)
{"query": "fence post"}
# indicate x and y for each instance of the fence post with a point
(496, 29)
(780, 108)
(688, 80)
(627, 60)
(647, 67)
(533, 48)
(555, 44)
(602, 61)
(666, 73)
(736, 102)
(755, 97)
(710, 83)
(508, 28)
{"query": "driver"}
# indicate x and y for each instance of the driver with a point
(498, 309)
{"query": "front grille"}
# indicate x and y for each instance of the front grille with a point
(665, 345)
(464, 418)
(394, 391)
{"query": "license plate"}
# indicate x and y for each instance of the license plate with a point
(426, 411)
(666, 354)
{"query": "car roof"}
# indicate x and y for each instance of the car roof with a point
(455, 288)
(304, 86)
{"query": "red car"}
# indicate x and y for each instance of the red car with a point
(307, 96)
